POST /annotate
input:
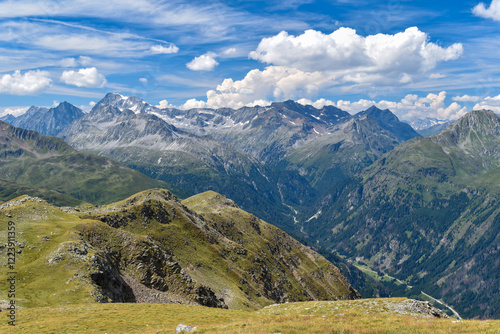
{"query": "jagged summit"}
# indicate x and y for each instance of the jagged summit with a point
(483, 121)
(48, 121)
(133, 103)
(390, 122)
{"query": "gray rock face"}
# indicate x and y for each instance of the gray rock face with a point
(425, 309)
(48, 121)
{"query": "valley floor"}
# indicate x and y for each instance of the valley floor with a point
(360, 316)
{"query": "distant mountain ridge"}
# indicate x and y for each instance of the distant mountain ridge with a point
(47, 121)
(429, 126)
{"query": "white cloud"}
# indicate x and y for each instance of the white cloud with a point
(492, 12)
(31, 82)
(318, 104)
(193, 103)
(143, 80)
(304, 65)
(51, 35)
(72, 62)
(274, 82)
(437, 76)
(489, 103)
(164, 105)
(69, 62)
(410, 107)
(93, 44)
(382, 59)
(204, 62)
(229, 51)
(466, 98)
(85, 77)
(160, 49)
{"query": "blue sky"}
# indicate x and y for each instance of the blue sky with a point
(417, 58)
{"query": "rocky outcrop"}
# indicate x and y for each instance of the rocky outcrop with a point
(154, 266)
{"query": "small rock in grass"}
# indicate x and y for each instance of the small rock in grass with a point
(184, 328)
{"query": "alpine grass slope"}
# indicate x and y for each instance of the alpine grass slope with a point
(153, 248)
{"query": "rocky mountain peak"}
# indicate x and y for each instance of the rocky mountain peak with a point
(390, 122)
(485, 121)
(479, 122)
(133, 103)
(290, 104)
(47, 121)
(476, 133)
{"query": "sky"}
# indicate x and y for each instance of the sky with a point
(417, 58)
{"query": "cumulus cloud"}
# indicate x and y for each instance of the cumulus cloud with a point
(31, 82)
(258, 87)
(381, 58)
(193, 103)
(160, 49)
(489, 103)
(302, 66)
(318, 104)
(466, 98)
(143, 80)
(492, 12)
(204, 62)
(410, 107)
(165, 105)
(85, 77)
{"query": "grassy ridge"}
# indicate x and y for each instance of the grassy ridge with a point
(151, 247)
(309, 317)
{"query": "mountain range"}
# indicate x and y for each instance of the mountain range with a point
(364, 188)
(259, 156)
